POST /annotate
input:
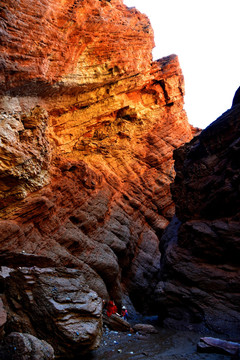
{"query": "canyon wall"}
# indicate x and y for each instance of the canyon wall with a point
(88, 126)
(200, 275)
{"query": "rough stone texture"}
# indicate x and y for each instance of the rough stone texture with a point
(115, 322)
(25, 154)
(200, 265)
(57, 301)
(19, 346)
(209, 344)
(145, 329)
(88, 128)
(3, 318)
(73, 42)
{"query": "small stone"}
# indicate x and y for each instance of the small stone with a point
(145, 329)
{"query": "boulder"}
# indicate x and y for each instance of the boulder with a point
(55, 304)
(210, 344)
(23, 346)
(115, 322)
(145, 329)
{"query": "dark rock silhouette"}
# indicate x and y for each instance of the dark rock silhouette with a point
(201, 247)
(236, 99)
(23, 346)
(209, 344)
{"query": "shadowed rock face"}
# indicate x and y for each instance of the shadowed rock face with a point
(201, 249)
(88, 128)
(57, 301)
(18, 346)
(236, 99)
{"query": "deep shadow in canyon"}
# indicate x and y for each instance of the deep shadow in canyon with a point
(106, 191)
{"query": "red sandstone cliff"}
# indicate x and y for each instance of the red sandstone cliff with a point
(88, 127)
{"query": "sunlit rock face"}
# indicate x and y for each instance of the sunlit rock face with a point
(88, 128)
(201, 248)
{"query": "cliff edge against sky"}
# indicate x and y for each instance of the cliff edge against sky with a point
(88, 128)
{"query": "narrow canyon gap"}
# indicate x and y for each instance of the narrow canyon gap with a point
(88, 127)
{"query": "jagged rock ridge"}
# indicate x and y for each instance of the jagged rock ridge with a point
(200, 273)
(88, 127)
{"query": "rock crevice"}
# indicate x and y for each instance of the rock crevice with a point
(200, 248)
(88, 127)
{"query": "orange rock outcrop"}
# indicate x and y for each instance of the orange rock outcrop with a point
(88, 128)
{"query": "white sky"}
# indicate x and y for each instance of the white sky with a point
(205, 34)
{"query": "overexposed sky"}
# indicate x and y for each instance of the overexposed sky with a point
(205, 36)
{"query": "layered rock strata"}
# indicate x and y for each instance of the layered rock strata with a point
(56, 301)
(88, 128)
(201, 247)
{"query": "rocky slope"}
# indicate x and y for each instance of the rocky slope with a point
(201, 247)
(88, 128)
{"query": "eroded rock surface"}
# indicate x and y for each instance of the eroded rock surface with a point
(88, 128)
(18, 346)
(54, 300)
(145, 329)
(209, 344)
(200, 266)
(116, 323)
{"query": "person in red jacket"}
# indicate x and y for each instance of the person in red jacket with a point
(111, 308)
